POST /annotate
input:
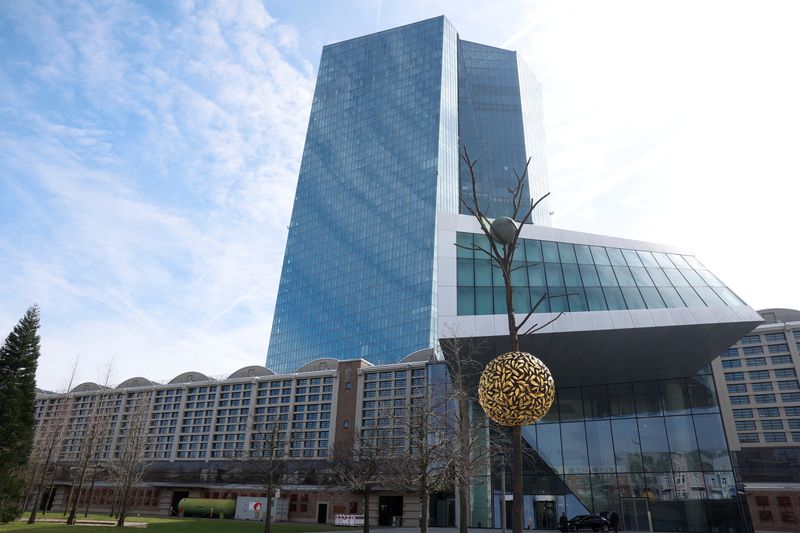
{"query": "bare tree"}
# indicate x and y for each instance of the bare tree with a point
(470, 451)
(364, 467)
(501, 254)
(131, 456)
(267, 458)
(92, 428)
(51, 432)
(426, 466)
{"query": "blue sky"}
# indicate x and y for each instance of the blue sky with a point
(149, 153)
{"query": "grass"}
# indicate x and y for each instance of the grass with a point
(171, 525)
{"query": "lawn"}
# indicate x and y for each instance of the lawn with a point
(174, 525)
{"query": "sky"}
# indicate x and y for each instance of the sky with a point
(149, 153)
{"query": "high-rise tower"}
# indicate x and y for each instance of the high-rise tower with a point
(381, 158)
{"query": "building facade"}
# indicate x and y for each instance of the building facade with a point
(759, 396)
(381, 159)
(205, 435)
(372, 270)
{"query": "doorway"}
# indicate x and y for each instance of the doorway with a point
(545, 514)
(635, 514)
(322, 513)
(388, 508)
(177, 496)
(509, 514)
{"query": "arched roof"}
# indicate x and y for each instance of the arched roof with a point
(251, 371)
(188, 377)
(323, 363)
(86, 387)
(426, 354)
(777, 315)
(135, 382)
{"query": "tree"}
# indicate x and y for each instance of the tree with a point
(469, 451)
(268, 460)
(364, 467)
(51, 432)
(18, 359)
(427, 465)
(502, 245)
(94, 429)
(131, 455)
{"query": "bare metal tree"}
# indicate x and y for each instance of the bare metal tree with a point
(131, 456)
(501, 254)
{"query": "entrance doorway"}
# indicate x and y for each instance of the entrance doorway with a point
(177, 496)
(635, 514)
(545, 514)
(509, 514)
(322, 513)
(388, 508)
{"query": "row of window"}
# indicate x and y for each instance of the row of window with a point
(761, 374)
(751, 438)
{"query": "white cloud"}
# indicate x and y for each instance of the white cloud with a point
(165, 196)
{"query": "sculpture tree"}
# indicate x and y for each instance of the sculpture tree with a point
(515, 388)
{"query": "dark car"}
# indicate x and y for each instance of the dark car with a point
(589, 521)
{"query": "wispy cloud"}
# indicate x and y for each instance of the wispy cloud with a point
(149, 160)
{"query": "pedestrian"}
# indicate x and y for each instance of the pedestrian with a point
(614, 519)
(563, 523)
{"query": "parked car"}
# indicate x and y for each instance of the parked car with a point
(589, 521)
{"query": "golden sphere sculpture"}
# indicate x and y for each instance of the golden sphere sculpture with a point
(516, 389)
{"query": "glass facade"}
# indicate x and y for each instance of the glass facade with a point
(578, 277)
(633, 448)
(381, 159)
(501, 125)
(358, 273)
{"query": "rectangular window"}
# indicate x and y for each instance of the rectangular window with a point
(752, 350)
(790, 396)
(737, 387)
(742, 413)
(765, 398)
(785, 373)
(762, 386)
(748, 437)
(775, 337)
(789, 385)
(794, 423)
(759, 374)
(730, 352)
(775, 437)
(751, 339)
(734, 376)
(732, 363)
(740, 400)
(778, 348)
(781, 359)
(745, 425)
(768, 412)
(772, 424)
(756, 361)
(792, 411)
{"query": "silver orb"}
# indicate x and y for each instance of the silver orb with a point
(503, 230)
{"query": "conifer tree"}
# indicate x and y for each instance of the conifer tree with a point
(18, 359)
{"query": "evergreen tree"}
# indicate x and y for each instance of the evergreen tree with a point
(18, 358)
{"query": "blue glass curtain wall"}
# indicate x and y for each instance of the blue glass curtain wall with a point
(577, 277)
(658, 445)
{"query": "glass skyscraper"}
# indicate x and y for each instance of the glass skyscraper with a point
(381, 158)
(372, 271)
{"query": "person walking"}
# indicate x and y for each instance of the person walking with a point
(614, 520)
(563, 523)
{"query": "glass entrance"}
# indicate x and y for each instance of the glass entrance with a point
(634, 514)
(545, 514)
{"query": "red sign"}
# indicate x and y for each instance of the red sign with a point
(257, 506)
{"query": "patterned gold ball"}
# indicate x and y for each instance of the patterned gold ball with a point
(516, 389)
